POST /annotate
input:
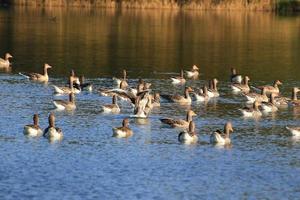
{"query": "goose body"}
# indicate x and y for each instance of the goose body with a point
(117, 81)
(178, 79)
(194, 73)
(179, 123)
(235, 78)
(38, 77)
(272, 89)
(251, 112)
(201, 97)
(241, 87)
(4, 63)
(53, 133)
(33, 130)
(188, 136)
(252, 97)
(269, 106)
(213, 90)
(65, 105)
(222, 138)
(124, 131)
(83, 85)
(112, 108)
(295, 102)
(186, 99)
(66, 90)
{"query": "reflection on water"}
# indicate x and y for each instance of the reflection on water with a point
(147, 42)
(89, 163)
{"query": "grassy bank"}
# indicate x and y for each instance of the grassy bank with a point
(262, 5)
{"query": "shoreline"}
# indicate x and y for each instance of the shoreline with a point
(226, 5)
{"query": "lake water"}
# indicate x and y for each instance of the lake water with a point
(262, 163)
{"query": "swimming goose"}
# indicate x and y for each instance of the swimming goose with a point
(252, 111)
(271, 89)
(295, 131)
(124, 131)
(33, 130)
(194, 73)
(220, 138)
(117, 81)
(185, 99)
(269, 106)
(213, 90)
(235, 78)
(66, 105)
(156, 100)
(38, 77)
(262, 97)
(241, 87)
(66, 90)
(51, 132)
(203, 95)
(178, 79)
(295, 101)
(82, 84)
(180, 123)
(114, 107)
(188, 136)
(4, 63)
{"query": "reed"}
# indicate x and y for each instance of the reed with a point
(261, 5)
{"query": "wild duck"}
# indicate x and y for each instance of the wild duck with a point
(222, 138)
(124, 131)
(180, 123)
(33, 130)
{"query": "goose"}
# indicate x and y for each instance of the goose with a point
(143, 106)
(269, 106)
(75, 78)
(201, 97)
(51, 132)
(251, 112)
(4, 63)
(179, 123)
(271, 89)
(295, 101)
(220, 138)
(66, 90)
(235, 78)
(241, 87)
(114, 107)
(188, 136)
(117, 81)
(178, 79)
(38, 77)
(111, 92)
(156, 100)
(185, 99)
(124, 131)
(66, 105)
(33, 130)
(213, 90)
(262, 97)
(83, 85)
(295, 131)
(194, 73)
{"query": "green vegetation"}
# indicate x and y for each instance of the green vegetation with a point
(262, 5)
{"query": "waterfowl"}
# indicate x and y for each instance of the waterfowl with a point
(269, 106)
(295, 101)
(66, 90)
(213, 90)
(143, 106)
(252, 111)
(156, 100)
(295, 131)
(241, 87)
(262, 97)
(38, 77)
(75, 78)
(220, 138)
(185, 99)
(51, 132)
(194, 73)
(33, 130)
(178, 79)
(83, 85)
(235, 78)
(203, 95)
(4, 63)
(117, 81)
(188, 136)
(117, 91)
(271, 89)
(124, 131)
(180, 123)
(114, 107)
(66, 105)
